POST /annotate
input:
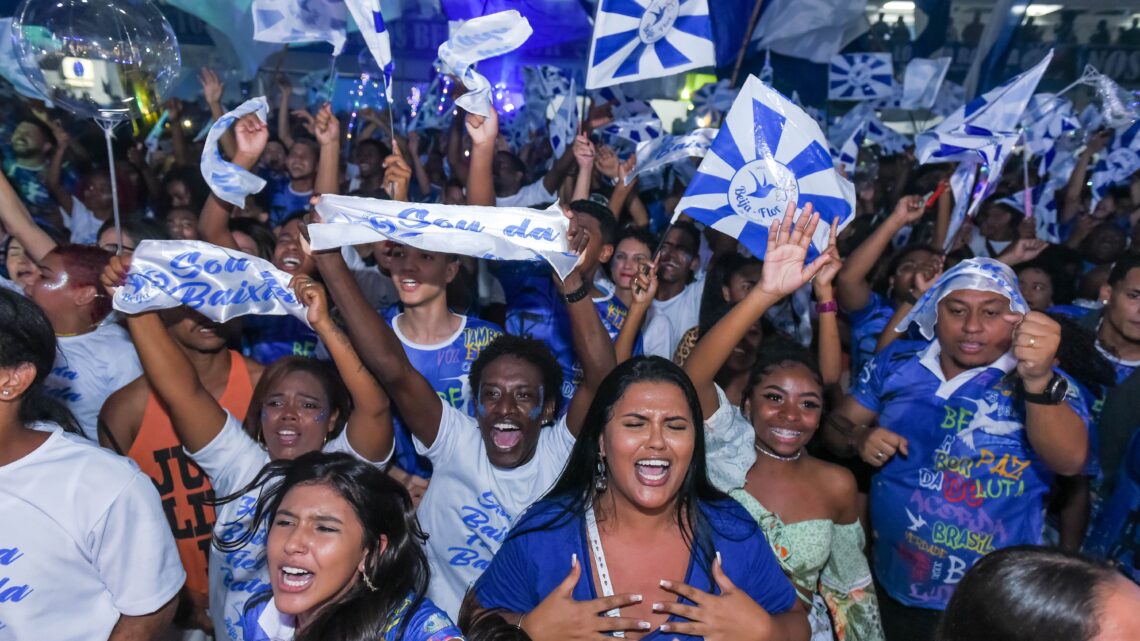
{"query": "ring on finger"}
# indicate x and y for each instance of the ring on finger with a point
(1032, 341)
(879, 455)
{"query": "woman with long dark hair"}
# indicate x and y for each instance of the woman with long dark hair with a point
(84, 530)
(299, 406)
(345, 555)
(634, 524)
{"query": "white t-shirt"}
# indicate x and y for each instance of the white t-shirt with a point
(683, 312)
(83, 541)
(232, 460)
(82, 224)
(89, 368)
(529, 196)
(978, 246)
(470, 505)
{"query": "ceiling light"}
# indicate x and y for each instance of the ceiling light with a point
(1038, 10)
(898, 5)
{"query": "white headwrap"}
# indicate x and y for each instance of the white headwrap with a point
(980, 274)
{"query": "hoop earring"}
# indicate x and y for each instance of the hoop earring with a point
(601, 482)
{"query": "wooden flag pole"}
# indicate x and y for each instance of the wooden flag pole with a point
(747, 39)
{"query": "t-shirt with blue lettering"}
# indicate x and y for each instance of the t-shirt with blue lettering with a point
(471, 504)
(535, 309)
(971, 483)
(446, 366)
(1115, 532)
(867, 324)
(264, 622)
(268, 338)
(232, 460)
(533, 562)
(90, 367)
(285, 201)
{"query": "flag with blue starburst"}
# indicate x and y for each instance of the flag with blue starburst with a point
(369, 20)
(634, 120)
(1118, 164)
(300, 21)
(639, 39)
(767, 154)
(860, 76)
(847, 156)
(1047, 118)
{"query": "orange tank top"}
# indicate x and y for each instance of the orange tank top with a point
(182, 485)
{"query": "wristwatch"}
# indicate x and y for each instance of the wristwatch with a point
(1053, 394)
(577, 294)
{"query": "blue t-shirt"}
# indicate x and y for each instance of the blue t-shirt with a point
(446, 367)
(1075, 312)
(530, 565)
(534, 309)
(427, 623)
(971, 484)
(1115, 533)
(268, 338)
(867, 324)
(285, 201)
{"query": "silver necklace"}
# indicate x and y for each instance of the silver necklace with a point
(776, 456)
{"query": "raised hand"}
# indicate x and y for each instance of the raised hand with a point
(822, 284)
(925, 277)
(584, 152)
(284, 86)
(784, 269)
(326, 127)
(414, 143)
(397, 175)
(626, 169)
(560, 618)
(731, 615)
(252, 135)
(307, 120)
(1023, 250)
(212, 86)
(115, 273)
(313, 296)
(1035, 342)
(878, 445)
(483, 131)
(909, 209)
(174, 108)
(645, 283)
(607, 162)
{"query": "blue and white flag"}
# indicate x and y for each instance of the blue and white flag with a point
(479, 39)
(922, 82)
(435, 107)
(1047, 118)
(655, 154)
(1091, 118)
(890, 142)
(542, 83)
(713, 98)
(637, 129)
(951, 96)
(228, 181)
(369, 20)
(860, 76)
(767, 154)
(219, 283)
(975, 132)
(564, 126)
(640, 39)
(1117, 166)
(848, 155)
(287, 21)
(491, 233)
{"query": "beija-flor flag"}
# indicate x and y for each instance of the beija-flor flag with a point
(640, 39)
(635, 121)
(1047, 118)
(848, 154)
(1117, 166)
(655, 154)
(300, 21)
(767, 154)
(950, 98)
(565, 123)
(977, 129)
(369, 20)
(479, 39)
(860, 76)
(922, 82)
(219, 283)
(228, 181)
(714, 97)
(491, 233)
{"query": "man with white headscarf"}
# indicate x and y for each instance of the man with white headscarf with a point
(967, 428)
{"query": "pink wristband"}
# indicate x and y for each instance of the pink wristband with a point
(825, 308)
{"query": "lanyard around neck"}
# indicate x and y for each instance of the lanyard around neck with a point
(600, 561)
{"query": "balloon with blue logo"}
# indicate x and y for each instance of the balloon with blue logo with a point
(640, 39)
(111, 59)
(768, 153)
(860, 76)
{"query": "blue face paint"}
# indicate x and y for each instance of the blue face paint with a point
(536, 413)
(322, 417)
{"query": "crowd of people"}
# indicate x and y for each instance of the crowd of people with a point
(909, 436)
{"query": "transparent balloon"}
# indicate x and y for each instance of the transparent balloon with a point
(104, 59)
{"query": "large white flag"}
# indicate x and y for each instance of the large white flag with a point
(228, 181)
(369, 20)
(922, 82)
(300, 21)
(640, 39)
(492, 233)
(479, 39)
(219, 283)
(655, 154)
(767, 154)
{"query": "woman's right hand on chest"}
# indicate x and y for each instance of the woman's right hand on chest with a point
(561, 618)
